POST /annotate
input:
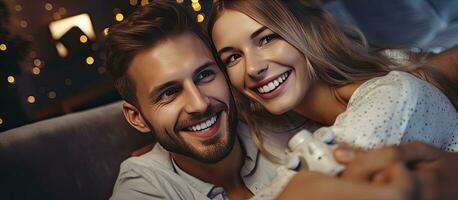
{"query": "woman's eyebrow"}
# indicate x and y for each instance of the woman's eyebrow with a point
(257, 32)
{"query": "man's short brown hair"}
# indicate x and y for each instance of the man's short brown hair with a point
(144, 28)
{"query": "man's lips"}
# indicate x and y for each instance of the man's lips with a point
(206, 128)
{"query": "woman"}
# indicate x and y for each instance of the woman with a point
(290, 56)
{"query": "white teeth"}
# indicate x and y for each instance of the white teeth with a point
(203, 125)
(273, 84)
(276, 83)
(266, 88)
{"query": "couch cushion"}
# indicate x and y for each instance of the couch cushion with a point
(76, 156)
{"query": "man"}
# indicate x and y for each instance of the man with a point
(174, 89)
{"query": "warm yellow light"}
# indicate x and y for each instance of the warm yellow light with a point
(179, 1)
(62, 11)
(37, 62)
(48, 6)
(119, 17)
(83, 39)
(56, 16)
(3, 47)
(18, 7)
(105, 31)
(90, 60)
(133, 2)
(144, 2)
(23, 24)
(1, 121)
(200, 18)
(31, 99)
(36, 70)
(196, 6)
(52, 95)
(11, 79)
(195, 1)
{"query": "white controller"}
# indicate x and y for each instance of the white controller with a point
(316, 150)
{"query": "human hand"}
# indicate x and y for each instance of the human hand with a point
(434, 171)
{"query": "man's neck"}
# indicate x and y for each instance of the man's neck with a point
(225, 173)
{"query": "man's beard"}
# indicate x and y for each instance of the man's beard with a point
(216, 148)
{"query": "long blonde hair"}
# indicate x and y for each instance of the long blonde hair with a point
(339, 55)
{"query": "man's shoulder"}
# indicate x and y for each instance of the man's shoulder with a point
(154, 161)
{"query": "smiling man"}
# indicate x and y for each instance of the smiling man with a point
(164, 69)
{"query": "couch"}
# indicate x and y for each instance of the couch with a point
(76, 156)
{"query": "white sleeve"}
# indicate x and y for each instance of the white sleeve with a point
(396, 109)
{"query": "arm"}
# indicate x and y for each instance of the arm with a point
(434, 171)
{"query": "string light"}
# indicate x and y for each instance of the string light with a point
(90, 60)
(11, 79)
(48, 6)
(144, 2)
(105, 31)
(52, 94)
(3, 47)
(195, 1)
(179, 1)
(23, 24)
(200, 17)
(36, 70)
(133, 2)
(18, 8)
(31, 99)
(62, 11)
(119, 17)
(83, 39)
(196, 6)
(1, 121)
(56, 16)
(37, 62)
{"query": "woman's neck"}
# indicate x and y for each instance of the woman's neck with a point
(324, 103)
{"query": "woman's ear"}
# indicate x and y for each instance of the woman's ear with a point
(135, 118)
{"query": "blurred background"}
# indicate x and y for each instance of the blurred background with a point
(52, 56)
(52, 52)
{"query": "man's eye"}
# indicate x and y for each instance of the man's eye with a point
(267, 39)
(232, 58)
(169, 93)
(205, 76)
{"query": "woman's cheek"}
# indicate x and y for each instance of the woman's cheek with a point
(237, 77)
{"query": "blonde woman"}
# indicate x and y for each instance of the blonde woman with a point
(290, 56)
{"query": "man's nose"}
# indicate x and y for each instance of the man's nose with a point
(255, 66)
(196, 100)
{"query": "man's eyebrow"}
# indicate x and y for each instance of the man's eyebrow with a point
(253, 35)
(203, 66)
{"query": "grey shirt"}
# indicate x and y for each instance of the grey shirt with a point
(155, 176)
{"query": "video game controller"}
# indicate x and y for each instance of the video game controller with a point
(316, 150)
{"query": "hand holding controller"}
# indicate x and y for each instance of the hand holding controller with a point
(317, 153)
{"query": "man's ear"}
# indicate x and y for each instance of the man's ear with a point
(134, 117)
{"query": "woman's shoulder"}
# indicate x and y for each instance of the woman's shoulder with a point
(397, 85)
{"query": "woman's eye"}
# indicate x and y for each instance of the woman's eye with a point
(205, 76)
(232, 58)
(267, 39)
